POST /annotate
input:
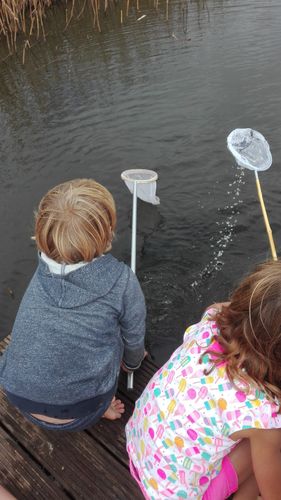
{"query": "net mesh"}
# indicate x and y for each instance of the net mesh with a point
(146, 184)
(250, 149)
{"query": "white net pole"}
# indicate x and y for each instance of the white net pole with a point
(134, 229)
(130, 376)
(146, 192)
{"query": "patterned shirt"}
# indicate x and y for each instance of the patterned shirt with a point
(181, 426)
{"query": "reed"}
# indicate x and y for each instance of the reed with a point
(26, 17)
(21, 16)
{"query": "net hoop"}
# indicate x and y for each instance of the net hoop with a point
(134, 175)
(250, 149)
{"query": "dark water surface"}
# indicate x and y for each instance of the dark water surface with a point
(158, 94)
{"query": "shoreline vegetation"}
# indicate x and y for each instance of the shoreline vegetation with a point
(23, 23)
(24, 19)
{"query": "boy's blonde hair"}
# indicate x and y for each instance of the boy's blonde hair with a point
(75, 221)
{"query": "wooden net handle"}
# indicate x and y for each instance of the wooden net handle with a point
(266, 221)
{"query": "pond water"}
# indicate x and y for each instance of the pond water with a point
(160, 93)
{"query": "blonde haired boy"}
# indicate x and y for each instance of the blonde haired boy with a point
(82, 315)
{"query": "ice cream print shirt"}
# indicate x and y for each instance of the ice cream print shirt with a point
(179, 431)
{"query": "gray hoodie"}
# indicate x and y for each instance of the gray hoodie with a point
(72, 331)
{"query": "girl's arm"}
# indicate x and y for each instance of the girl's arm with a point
(5, 495)
(266, 458)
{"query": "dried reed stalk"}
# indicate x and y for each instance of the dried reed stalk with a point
(22, 16)
(26, 17)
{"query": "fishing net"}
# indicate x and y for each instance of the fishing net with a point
(146, 184)
(142, 184)
(250, 149)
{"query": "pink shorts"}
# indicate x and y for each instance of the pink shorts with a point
(224, 484)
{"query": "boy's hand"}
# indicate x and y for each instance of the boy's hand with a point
(126, 369)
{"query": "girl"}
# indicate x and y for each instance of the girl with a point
(208, 424)
(82, 314)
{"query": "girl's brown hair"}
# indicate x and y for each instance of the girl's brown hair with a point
(250, 331)
(75, 221)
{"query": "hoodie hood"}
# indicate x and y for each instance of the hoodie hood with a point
(80, 286)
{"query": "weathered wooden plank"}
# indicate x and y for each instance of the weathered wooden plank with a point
(22, 476)
(112, 434)
(81, 465)
(4, 342)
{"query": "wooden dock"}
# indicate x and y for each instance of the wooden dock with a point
(50, 465)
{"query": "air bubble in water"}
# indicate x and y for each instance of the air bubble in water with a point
(224, 237)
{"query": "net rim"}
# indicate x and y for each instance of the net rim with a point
(242, 161)
(125, 175)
